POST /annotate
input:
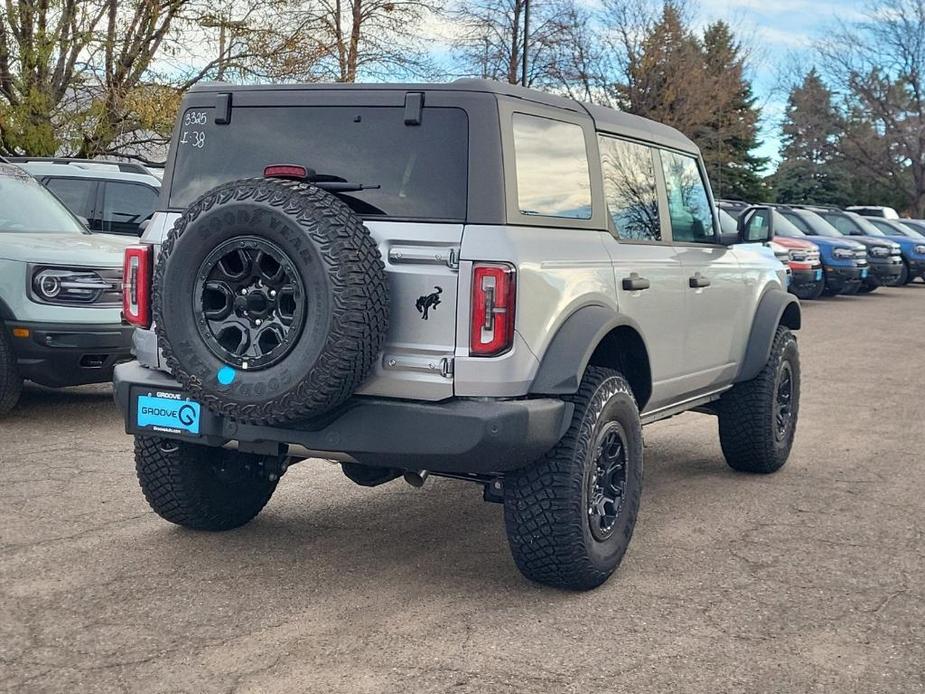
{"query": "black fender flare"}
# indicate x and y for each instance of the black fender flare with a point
(770, 313)
(564, 362)
(5, 312)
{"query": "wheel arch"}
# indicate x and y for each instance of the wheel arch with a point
(6, 313)
(594, 336)
(776, 307)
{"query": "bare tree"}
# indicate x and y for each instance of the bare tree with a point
(879, 67)
(92, 77)
(370, 39)
(490, 41)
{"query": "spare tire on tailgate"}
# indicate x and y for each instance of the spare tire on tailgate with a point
(270, 300)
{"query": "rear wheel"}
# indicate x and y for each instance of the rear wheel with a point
(758, 418)
(570, 516)
(201, 487)
(10, 380)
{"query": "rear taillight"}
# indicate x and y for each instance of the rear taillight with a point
(494, 288)
(136, 285)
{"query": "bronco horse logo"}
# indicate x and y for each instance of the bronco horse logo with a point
(427, 302)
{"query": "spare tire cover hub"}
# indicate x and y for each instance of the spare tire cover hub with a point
(249, 303)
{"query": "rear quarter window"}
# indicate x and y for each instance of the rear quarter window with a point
(553, 179)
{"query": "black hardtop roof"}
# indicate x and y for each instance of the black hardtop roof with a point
(605, 119)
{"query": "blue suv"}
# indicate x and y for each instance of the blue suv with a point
(843, 260)
(910, 243)
(884, 255)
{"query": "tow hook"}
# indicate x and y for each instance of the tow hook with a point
(274, 467)
(494, 491)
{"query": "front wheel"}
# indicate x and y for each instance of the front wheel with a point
(201, 487)
(570, 516)
(758, 418)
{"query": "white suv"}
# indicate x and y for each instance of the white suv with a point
(470, 280)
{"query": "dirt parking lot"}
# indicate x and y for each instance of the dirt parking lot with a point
(808, 580)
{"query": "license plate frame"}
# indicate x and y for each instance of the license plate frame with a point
(165, 412)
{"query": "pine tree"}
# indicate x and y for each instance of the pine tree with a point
(700, 88)
(729, 137)
(809, 171)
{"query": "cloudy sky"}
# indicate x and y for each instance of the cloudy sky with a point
(782, 34)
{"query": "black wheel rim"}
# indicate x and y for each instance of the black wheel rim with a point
(249, 303)
(784, 402)
(607, 484)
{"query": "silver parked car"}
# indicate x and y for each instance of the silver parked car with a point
(471, 280)
(60, 293)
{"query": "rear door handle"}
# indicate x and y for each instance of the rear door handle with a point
(635, 283)
(698, 281)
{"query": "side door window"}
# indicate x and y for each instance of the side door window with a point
(688, 204)
(126, 206)
(78, 195)
(630, 189)
(553, 178)
(648, 274)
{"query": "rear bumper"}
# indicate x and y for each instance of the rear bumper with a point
(58, 354)
(459, 436)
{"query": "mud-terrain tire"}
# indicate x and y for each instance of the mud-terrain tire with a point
(305, 267)
(201, 487)
(560, 531)
(758, 418)
(10, 380)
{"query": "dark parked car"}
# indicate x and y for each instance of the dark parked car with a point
(912, 247)
(884, 255)
(844, 260)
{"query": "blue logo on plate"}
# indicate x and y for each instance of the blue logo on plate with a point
(168, 413)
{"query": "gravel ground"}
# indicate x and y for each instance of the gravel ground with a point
(807, 580)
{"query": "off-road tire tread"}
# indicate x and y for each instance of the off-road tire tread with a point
(178, 488)
(359, 296)
(10, 380)
(745, 414)
(546, 538)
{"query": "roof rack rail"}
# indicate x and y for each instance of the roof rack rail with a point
(124, 167)
(814, 205)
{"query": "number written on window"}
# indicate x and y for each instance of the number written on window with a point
(193, 138)
(195, 118)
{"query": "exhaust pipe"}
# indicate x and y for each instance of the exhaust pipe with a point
(416, 478)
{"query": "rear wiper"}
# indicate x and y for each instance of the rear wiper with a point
(336, 184)
(344, 186)
(329, 182)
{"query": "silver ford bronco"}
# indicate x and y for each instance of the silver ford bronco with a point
(470, 280)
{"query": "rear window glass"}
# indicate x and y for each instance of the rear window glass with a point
(553, 179)
(420, 170)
